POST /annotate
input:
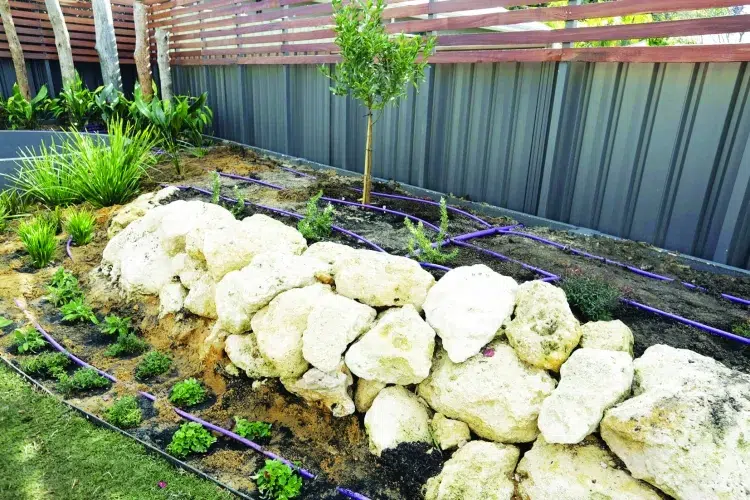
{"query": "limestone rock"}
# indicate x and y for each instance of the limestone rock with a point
(687, 430)
(467, 307)
(397, 350)
(396, 416)
(591, 381)
(215, 339)
(365, 393)
(449, 433)
(610, 335)
(544, 331)
(330, 253)
(243, 351)
(479, 470)
(576, 472)
(194, 218)
(379, 279)
(138, 208)
(329, 388)
(496, 393)
(333, 324)
(279, 327)
(189, 269)
(171, 299)
(200, 299)
(240, 294)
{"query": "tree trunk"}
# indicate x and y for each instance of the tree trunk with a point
(142, 54)
(162, 58)
(19, 63)
(367, 182)
(62, 41)
(106, 45)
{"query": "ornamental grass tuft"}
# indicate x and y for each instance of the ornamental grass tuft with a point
(79, 224)
(38, 237)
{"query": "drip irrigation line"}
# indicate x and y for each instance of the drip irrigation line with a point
(67, 248)
(547, 275)
(250, 179)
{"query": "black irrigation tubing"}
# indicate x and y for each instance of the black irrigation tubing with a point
(106, 425)
(187, 416)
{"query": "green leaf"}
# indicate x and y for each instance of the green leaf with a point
(5, 322)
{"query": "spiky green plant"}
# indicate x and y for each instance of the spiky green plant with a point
(12, 205)
(317, 223)
(79, 224)
(215, 188)
(428, 250)
(239, 205)
(38, 237)
(45, 176)
(594, 298)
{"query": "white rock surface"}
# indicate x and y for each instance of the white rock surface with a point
(189, 269)
(171, 299)
(193, 218)
(379, 279)
(467, 307)
(332, 389)
(279, 327)
(216, 339)
(544, 331)
(479, 470)
(240, 294)
(138, 208)
(499, 396)
(610, 335)
(396, 416)
(687, 430)
(365, 393)
(449, 433)
(591, 381)
(397, 350)
(333, 324)
(330, 253)
(243, 351)
(200, 299)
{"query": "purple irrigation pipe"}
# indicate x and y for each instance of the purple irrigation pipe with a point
(546, 274)
(250, 179)
(67, 248)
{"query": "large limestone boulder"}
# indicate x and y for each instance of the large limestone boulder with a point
(332, 389)
(577, 472)
(479, 470)
(365, 393)
(278, 328)
(397, 350)
(591, 381)
(396, 416)
(171, 299)
(333, 324)
(240, 294)
(610, 335)
(544, 331)
(497, 394)
(200, 299)
(379, 279)
(243, 351)
(467, 307)
(330, 253)
(449, 433)
(194, 219)
(687, 430)
(189, 269)
(138, 208)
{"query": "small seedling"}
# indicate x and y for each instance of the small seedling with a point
(187, 393)
(251, 430)
(239, 205)
(427, 250)
(198, 152)
(595, 299)
(124, 413)
(317, 223)
(125, 345)
(742, 328)
(79, 224)
(215, 188)
(38, 236)
(28, 340)
(153, 364)
(278, 481)
(63, 288)
(77, 310)
(5, 322)
(115, 325)
(191, 437)
(82, 379)
(47, 364)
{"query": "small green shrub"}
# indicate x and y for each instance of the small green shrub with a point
(215, 188)
(79, 224)
(78, 310)
(53, 218)
(45, 176)
(115, 325)
(239, 205)
(251, 430)
(125, 345)
(111, 103)
(82, 379)
(154, 363)
(278, 481)
(23, 114)
(595, 299)
(63, 288)
(742, 328)
(431, 251)
(191, 437)
(124, 413)
(47, 364)
(188, 393)
(75, 105)
(317, 223)
(28, 340)
(38, 237)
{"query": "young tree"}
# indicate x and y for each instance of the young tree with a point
(62, 41)
(16, 53)
(375, 67)
(142, 54)
(106, 44)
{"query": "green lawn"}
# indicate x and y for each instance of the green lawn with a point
(49, 452)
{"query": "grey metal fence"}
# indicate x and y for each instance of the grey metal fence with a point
(43, 72)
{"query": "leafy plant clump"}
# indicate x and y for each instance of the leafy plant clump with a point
(12, 206)
(215, 188)
(38, 237)
(126, 344)
(82, 379)
(317, 223)
(23, 114)
(742, 328)
(75, 105)
(63, 288)
(78, 310)
(153, 364)
(115, 325)
(278, 481)
(28, 340)
(47, 364)
(79, 224)
(191, 437)
(596, 300)
(124, 413)
(428, 250)
(251, 430)
(45, 176)
(188, 393)
(239, 205)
